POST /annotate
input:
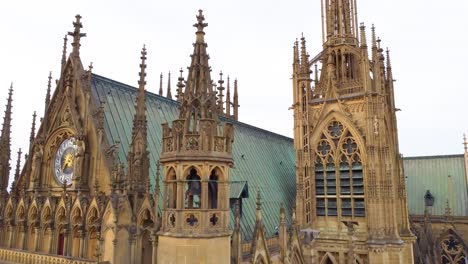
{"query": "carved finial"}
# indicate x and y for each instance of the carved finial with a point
(158, 175)
(18, 167)
(160, 84)
(374, 39)
(169, 94)
(77, 35)
(33, 131)
(220, 93)
(363, 36)
(465, 143)
(200, 25)
(180, 86)
(90, 67)
(259, 206)
(49, 88)
(64, 52)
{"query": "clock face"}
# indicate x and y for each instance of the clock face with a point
(64, 161)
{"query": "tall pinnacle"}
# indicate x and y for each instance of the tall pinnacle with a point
(49, 86)
(18, 167)
(140, 111)
(160, 84)
(64, 52)
(77, 35)
(169, 94)
(199, 100)
(33, 131)
(5, 151)
(7, 119)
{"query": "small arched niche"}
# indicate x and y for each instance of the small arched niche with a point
(171, 185)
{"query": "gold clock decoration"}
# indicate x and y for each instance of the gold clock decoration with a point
(64, 161)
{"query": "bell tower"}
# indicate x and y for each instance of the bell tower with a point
(196, 158)
(349, 176)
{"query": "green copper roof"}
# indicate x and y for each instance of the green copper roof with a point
(432, 173)
(263, 159)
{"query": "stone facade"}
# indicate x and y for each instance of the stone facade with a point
(74, 201)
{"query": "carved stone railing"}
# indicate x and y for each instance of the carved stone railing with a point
(196, 221)
(209, 137)
(25, 257)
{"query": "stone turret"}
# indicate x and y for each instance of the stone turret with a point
(196, 156)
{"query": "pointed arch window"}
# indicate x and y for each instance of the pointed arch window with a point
(453, 251)
(193, 190)
(339, 180)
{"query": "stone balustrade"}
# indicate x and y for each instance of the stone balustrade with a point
(196, 221)
(25, 257)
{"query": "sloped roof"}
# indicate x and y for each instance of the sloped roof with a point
(263, 159)
(431, 173)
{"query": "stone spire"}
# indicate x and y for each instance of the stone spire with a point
(169, 94)
(5, 151)
(32, 135)
(64, 53)
(138, 161)
(199, 101)
(17, 171)
(228, 98)
(49, 87)
(236, 101)
(305, 65)
(160, 84)
(77, 35)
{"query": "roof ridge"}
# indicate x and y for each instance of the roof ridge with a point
(434, 156)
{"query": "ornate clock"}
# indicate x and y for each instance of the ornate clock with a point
(64, 161)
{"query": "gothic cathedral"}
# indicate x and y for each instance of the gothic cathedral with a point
(90, 188)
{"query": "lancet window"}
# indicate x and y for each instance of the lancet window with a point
(213, 191)
(339, 181)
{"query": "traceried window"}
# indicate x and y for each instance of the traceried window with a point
(339, 181)
(452, 250)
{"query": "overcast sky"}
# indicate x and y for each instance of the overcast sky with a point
(251, 41)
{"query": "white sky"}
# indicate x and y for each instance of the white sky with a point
(251, 41)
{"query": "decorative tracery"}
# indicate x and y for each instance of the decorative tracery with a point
(452, 250)
(339, 182)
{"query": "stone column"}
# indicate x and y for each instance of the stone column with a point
(132, 241)
(154, 243)
(36, 238)
(53, 241)
(204, 195)
(66, 242)
(81, 233)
